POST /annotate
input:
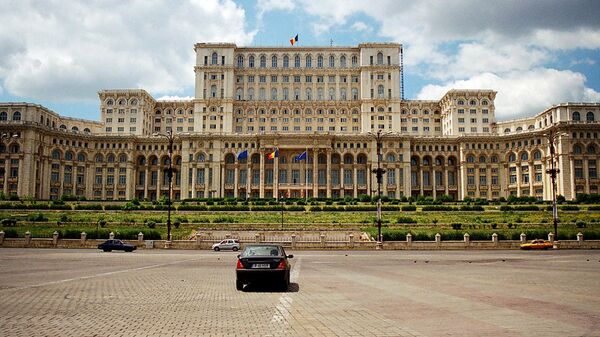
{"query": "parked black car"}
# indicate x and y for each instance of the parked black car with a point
(113, 244)
(263, 263)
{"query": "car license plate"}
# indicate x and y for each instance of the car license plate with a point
(261, 265)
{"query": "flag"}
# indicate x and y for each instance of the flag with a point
(301, 156)
(294, 40)
(273, 154)
(242, 155)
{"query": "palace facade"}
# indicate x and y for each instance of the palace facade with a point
(328, 101)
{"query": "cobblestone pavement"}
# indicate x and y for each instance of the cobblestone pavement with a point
(46, 292)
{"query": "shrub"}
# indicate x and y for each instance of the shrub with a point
(569, 208)
(364, 198)
(223, 220)
(404, 219)
(151, 224)
(580, 224)
(475, 208)
(594, 208)
(64, 218)
(95, 207)
(10, 233)
(295, 209)
(102, 223)
(8, 222)
(176, 223)
(409, 208)
(456, 226)
(526, 208)
(229, 208)
(438, 209)
(36, 217)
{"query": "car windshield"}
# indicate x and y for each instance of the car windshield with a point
(261, 251)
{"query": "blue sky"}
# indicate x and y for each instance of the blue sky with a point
(534, 53)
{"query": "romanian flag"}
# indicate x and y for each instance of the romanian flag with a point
(294, 40)
(273, 154)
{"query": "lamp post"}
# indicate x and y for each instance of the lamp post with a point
(170, 138)
(553, 171)
(7, 136)
(379, 174)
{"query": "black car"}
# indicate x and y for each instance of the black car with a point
(113, 244)
(263, 263)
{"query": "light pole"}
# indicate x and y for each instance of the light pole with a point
(170, 138)
(379, 174)
(553, 171)
(7, 136)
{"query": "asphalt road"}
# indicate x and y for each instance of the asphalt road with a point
(54, 292)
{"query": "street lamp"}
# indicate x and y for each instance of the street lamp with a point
(552, 137)
(170, 138)
(379, 174)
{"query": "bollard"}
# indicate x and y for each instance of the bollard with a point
(322, 240)
(55, 238)
(1, 238)
(466, 238)
(551, 237)
(523, 238)
(198, 238)
(580, 238)
(408, 239)
(438, 238)
(83, 237)
(140, 238)
(111, 235)
(27, 238)
(293, 240)
(495, 239)
(227, 236)
(257, 238)
(351, 239)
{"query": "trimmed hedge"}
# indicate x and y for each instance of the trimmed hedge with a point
(438, 209)
(409, 208)
(192, 208)
(96, 207)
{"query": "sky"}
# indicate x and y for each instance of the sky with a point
(536, 53)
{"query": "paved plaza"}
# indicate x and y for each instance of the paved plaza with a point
(53, 292)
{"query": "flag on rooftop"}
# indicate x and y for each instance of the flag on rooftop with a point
(294, 39)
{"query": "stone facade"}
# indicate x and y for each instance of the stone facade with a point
(327, 101)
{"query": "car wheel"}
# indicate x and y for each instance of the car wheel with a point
(105, 250)
(216, 249)
(128, 250)
(235, 249)
(239, 285)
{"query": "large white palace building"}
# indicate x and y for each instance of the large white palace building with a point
(328, 101)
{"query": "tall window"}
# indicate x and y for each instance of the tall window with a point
(354, 60)
(240, 61)
(379, 58)
(331, 61)
(576, 116)
(380, 91)
(320, 61)
(286, 61)
(343, 61)
(214, 59)
(308, 61)
(274, 61)
(251, 61)
(297, 61)
(263, 61)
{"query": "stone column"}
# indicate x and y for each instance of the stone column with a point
(104, 182)
(61, 179)
(328, 175)
(572, 167)
(221, 181)
(159, 180)
(146, 182)
(130, 181)
(421, 179)
(434, 183)
(518, 180)
(236, 180)
(194, 175)
(355, 181)
(585, 175)
(276, 178)
(315, 173)
(262, 173)
(6, 174)
(446, 178)
(248, 178)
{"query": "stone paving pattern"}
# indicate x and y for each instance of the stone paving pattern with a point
(54, 292)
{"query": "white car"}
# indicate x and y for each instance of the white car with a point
(232, 244)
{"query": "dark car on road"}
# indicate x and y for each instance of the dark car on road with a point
(114, 244)
(263, 264)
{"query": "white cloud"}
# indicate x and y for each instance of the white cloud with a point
(68, 51)
(175, 98)
(523, 93)
(361, 26)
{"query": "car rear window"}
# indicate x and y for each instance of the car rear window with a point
(261, 251)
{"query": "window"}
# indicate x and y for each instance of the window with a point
(297, 61)
(214, 59)
(274, 61)
(16, 116)
(576, 116)
(240, 61)
(251, 61)
(308, 61)
(379, 58)
(331, 61)
(286, 61)
(263, 61)
(320, 61)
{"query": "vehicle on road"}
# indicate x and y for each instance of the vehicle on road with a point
(263, 264)
(537, 244)
(114, 244)
(232, 244)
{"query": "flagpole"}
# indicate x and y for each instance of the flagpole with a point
(248, 180)
(306, 176)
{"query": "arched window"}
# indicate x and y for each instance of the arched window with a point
(589, 117)
(201, 158)
(507, 130)
(122, 158)
(308, 94)
(263, 61)
(343, 61)
(81, 157)
(348, 159)
(482, 159)
(537, 155)
(56, 154)
(361, 159)
(519, 129)
(591, 149)
(470, 159)
(320, 61)
(494, 159)
(214, 58)
(109, 102)
(229, 158)
(576, 116)
(461, 102)
(308, 61)
(343, 94)
(99, 158)
(484, 102)
(251, 61)
(472, 102)
(213, 91)
(512, 157)
(379, 58)
(16, 116)
(354, 61)
(297, 61)
(331, 61)
(354, 94)
(110, 158)
(524, 156)
(250, 94)
(451, 161)
(240, 61)
(75, 129)
(577, 149)
(286, 61)
(14, 148)
(274, 94)
(274, 61)
(122, 101)
(391, 158)
(133, 101)
(142, 160)
(239, 94)
(331, 94)
(69, 155)
(380, 91)
(297, 94)
(3, 116)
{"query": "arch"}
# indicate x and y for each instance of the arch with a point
(153, 160)
(14, 148)
(286, 61)
(229, 158)
(16, 116)
(87, 130)
(308, 61)
(391, 157)
(354, 61)
(531, 127)
(251, 61)
(589, 116)
(320, 61)
(263, 61)
(201, 157)
(81, 157)
(274, 61)
(240, 61)
(321, 159)
(494, 159)
(415, 161)
(75, 129)
(164, 160)
(519, 129)
(56, 154)
(122, 101)
(537, 155)
(99, 158)
(361, 158)
(512, 157)
(255, 158)
(451, 161)
(110, 158)
(69, 155)
(109, 101)
(380, 58)
(3, 116)
(524, 156)
(577, 149)
(335, 158)
(133, 101)
(177, 161)
(331, 61)
(214, 58)
(591, 149)
(343, 61)
(348, 158)
(296, 61)
(576, 116)
(472, 101)
(141, 160)
(62, 127)
(482, 159)
(470, 158)
(122, 158)
(507, 130)
(439, 161)
(426, 161)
